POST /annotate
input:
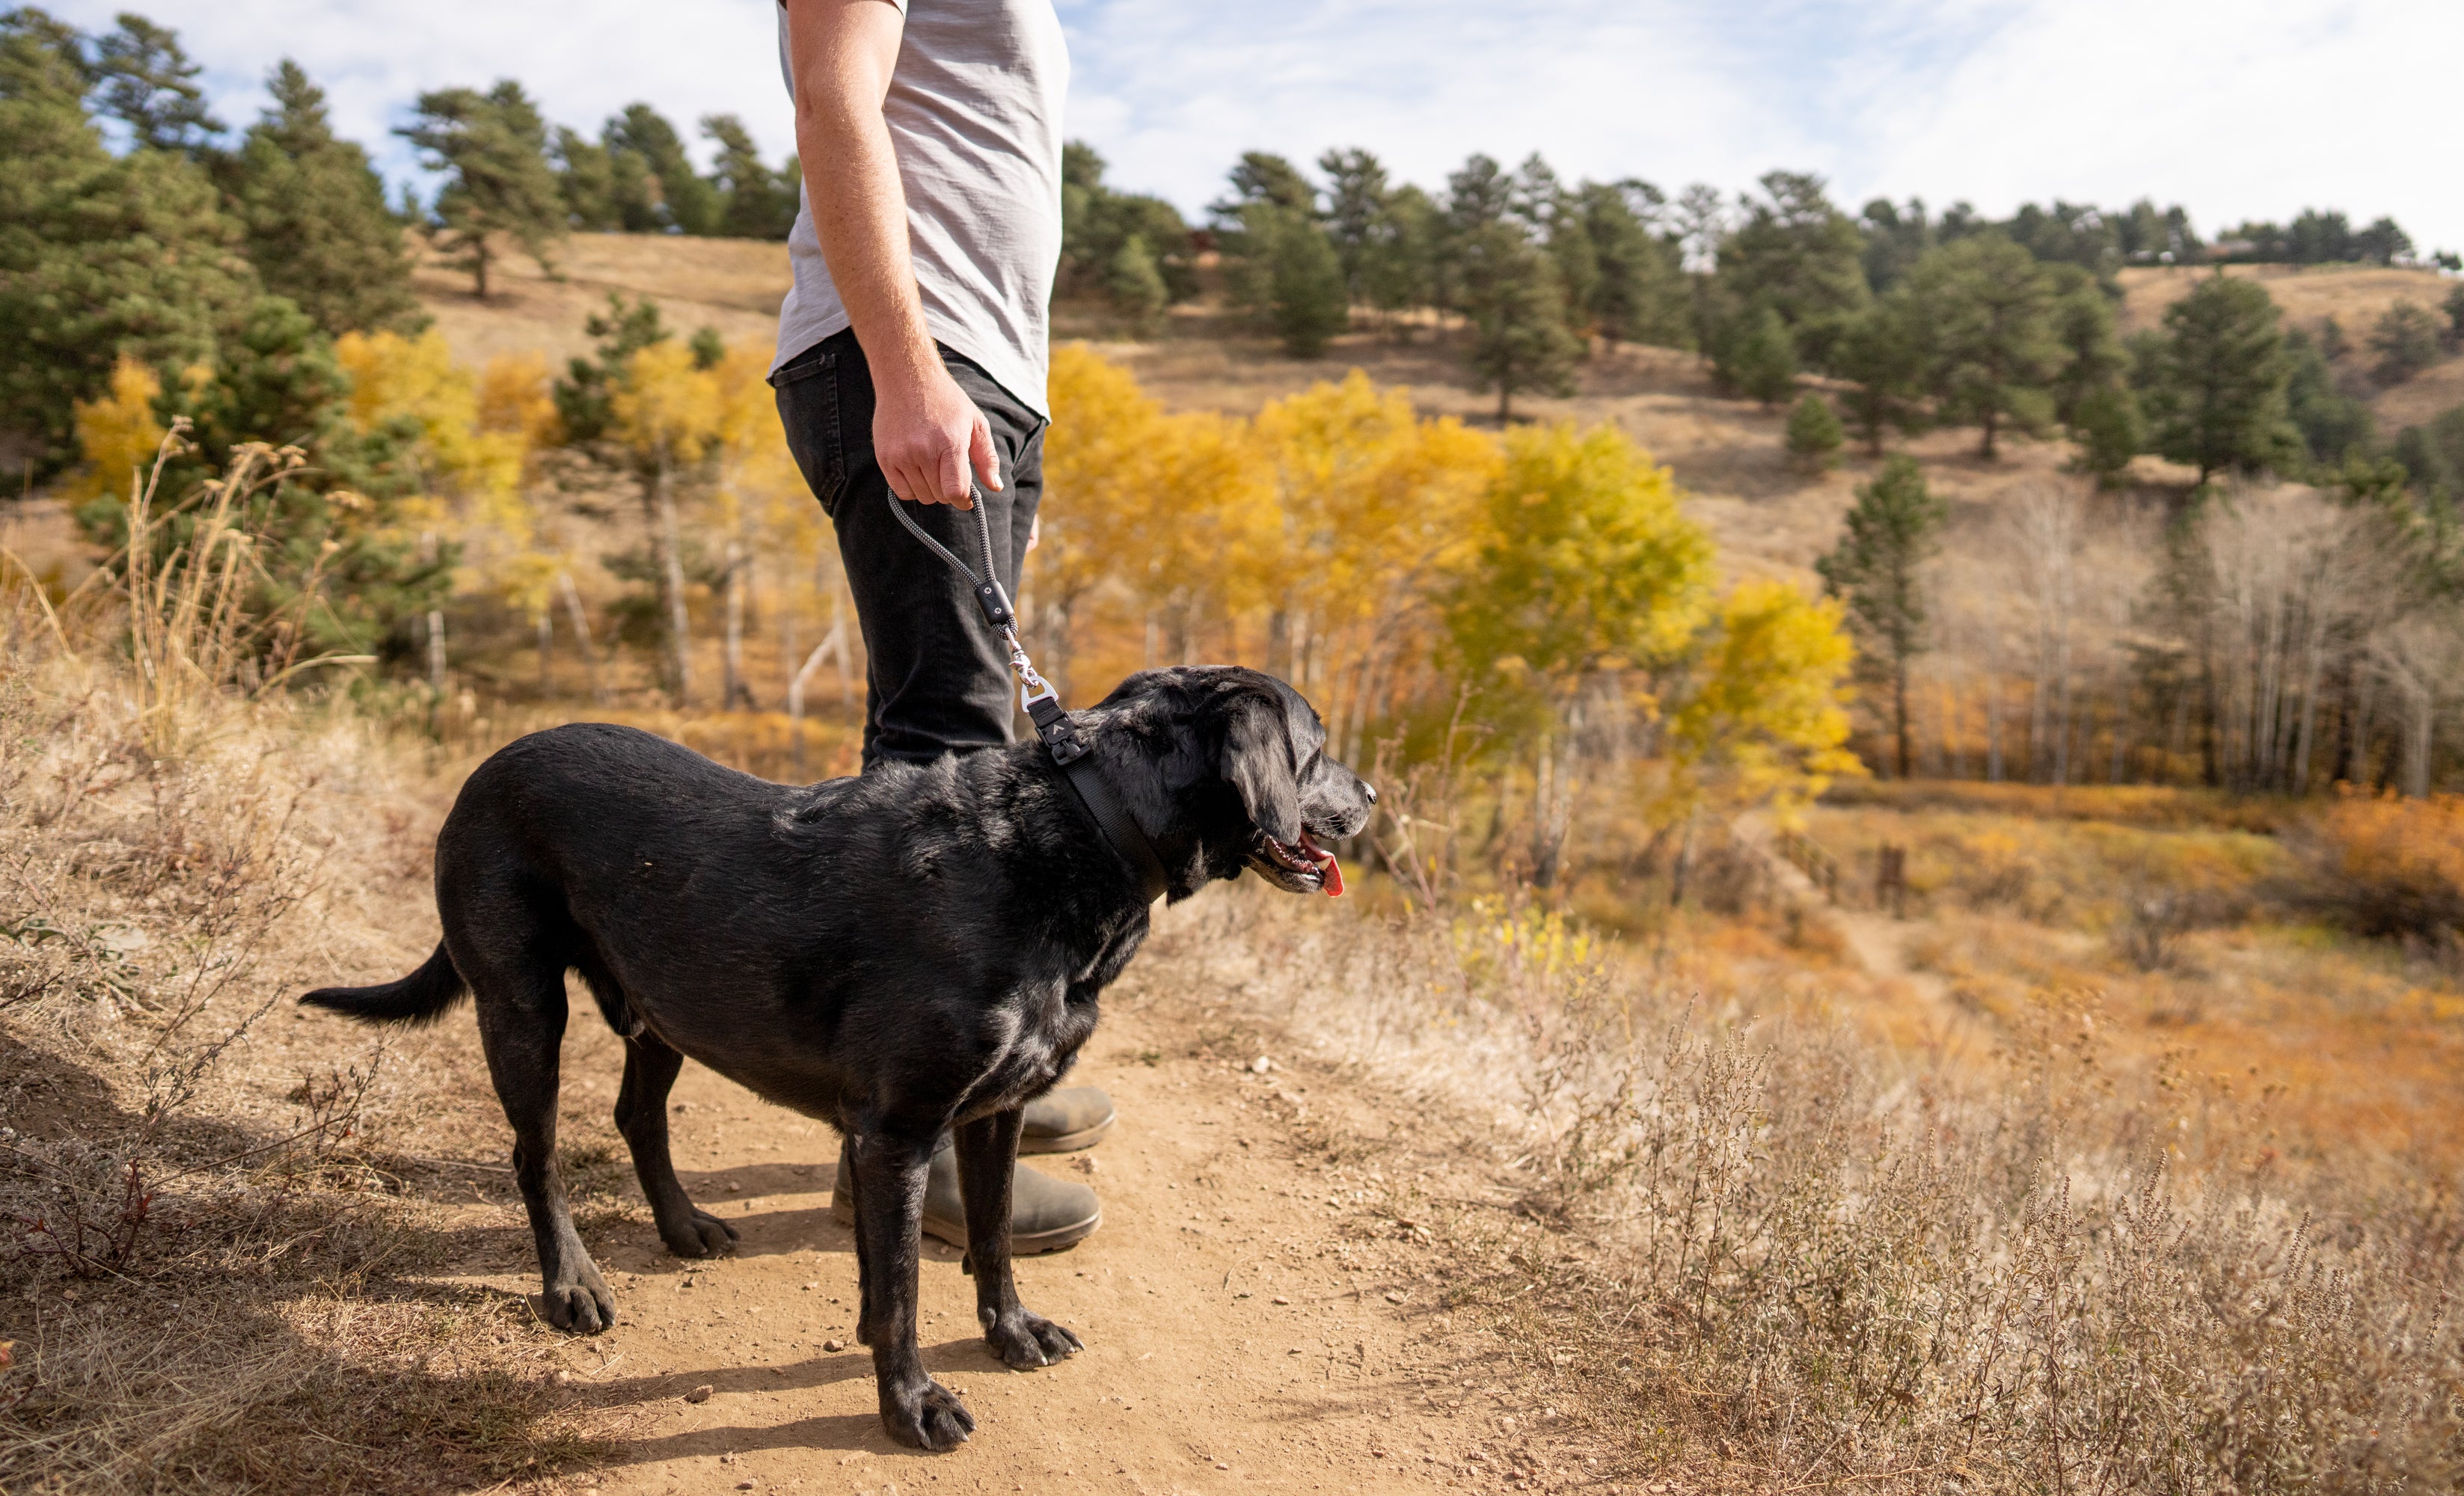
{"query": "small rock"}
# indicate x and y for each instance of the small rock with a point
(733, 1187)
(1280, 1299)
(1394, 1295)
(832, 1345)
(1294, 1351)
(700, 1394)
(1087, 1164)
(810, 1286)
(562, 1378)
(1261, 1066)
(745, 1485)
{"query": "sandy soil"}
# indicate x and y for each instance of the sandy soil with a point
(1256, 1316)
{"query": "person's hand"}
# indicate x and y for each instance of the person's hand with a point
(927, 433)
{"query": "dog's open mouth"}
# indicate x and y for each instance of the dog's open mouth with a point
(1309, 863)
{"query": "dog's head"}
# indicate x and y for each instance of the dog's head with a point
(1235, 776)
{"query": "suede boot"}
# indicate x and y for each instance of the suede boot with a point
(1045, 1214)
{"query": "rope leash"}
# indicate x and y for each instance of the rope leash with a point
(1042, 704)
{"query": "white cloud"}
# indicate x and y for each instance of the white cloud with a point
(2235, 108)
(583, 63)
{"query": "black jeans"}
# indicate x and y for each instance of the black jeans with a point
(936, 679)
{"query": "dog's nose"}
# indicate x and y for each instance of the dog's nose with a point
(1370, 790)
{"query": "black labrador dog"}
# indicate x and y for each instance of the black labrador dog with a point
(918, 949)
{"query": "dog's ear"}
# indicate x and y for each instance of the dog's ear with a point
(1257, 760)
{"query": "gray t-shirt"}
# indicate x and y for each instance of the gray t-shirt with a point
(973, 112)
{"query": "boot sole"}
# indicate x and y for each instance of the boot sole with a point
(1066, 1142)
(1020, 1243)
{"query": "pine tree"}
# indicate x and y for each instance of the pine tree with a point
(1357, 195)
(2331, 422)
(686, 203)
(102, 258)
(2406, 339)
(494, 146)
(585, 179)
(1802, 257)
(1987, 306)
(1756, 356)
(1877, 570)
(1137, 287)
(1814, 433)
(1097, 223)
(318, 229)
(1307, 305)
(1518, 312)
(1638, 294)
(275, 378)
(2092, 356)
(1881, 354)
(1403, 272)
(755, 202)
(1282, 269)
(585, 398)
(144, 77)
(2214, 384)
(2110, 432)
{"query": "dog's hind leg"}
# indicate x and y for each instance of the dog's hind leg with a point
(987, 1161)
(650, 1069)
(521, 1024)
(889, 1224)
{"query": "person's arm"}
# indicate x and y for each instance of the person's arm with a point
(924, 430)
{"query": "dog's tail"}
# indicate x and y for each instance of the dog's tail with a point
(421, 998)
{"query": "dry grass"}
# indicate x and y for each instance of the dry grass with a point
(1756, 1252)
(2355, 296)
(213, 1253)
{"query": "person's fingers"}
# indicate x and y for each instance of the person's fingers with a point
(1035, 532)
(986, 456)
(949, 473)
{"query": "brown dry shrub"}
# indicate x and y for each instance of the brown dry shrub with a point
(2390, 868)
(1767, 1254)
(208, 1256)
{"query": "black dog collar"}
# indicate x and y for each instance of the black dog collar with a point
(1061, 739)
(1043, 706)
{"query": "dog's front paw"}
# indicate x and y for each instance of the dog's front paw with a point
(1024, 1340)
(700, 1235)
(585, 1307)
(926, 1417)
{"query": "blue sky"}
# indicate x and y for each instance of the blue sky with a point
(2235, 108)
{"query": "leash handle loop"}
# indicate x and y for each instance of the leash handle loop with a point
(1036, 697)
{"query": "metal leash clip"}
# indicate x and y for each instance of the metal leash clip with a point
(1042, 704)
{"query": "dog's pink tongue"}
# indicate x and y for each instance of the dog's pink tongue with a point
(1333, 871)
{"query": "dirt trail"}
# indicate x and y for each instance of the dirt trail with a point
(1248, 1325)
(1879, 941)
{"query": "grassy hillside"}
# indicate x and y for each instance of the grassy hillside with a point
(1769, 519)
(2354, 295)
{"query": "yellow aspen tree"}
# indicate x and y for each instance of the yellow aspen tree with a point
(1100, 469)
(1200, 531)
(1376, 505)
(516, 412)
(666, 412)
(1586, 578)
(1760, 715)
(753, 463)
(117, 432)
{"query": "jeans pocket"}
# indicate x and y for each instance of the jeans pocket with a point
(808, 409)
